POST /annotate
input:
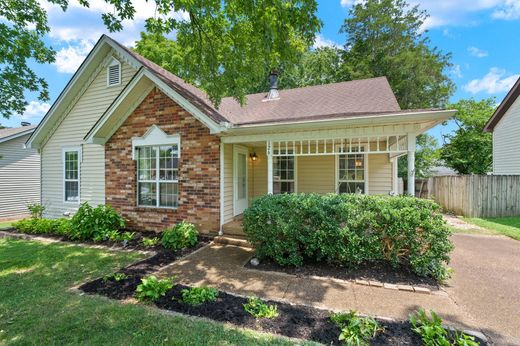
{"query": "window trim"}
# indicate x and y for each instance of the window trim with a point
(295, 180)
(336, 169)
(114, 62)
(64, 150)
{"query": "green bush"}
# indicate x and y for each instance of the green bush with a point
(199, 295)
(355, 330)
(181, 236)
(36, 210)
(151, 288)
(256, 307)
(99, 223)
(43, 226)
(349, 229)
(148, 242)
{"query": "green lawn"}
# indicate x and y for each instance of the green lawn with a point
(509, 226)
(5, 224)
(37, 307)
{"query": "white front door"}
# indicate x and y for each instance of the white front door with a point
(239, 179)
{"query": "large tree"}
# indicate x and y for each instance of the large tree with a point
(386, 38)
(225, 43)
(469, 150)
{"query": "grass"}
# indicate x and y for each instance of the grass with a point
(5, 224)
(509, 226)
(37, 306)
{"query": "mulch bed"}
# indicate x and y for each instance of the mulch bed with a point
(376, 271)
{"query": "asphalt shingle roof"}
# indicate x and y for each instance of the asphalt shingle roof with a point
(11, 131)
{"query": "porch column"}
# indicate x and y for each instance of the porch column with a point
(411, 164)
(221, 229)
(269, 147)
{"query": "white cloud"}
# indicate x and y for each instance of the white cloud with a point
(509, 10)
(495, 81)
(456, 71)
(321, 41)
(68, 59)
(348, 3)
(477, 52)
(35, 109)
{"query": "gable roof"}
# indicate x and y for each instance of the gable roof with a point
(14, 132)
(501, 110)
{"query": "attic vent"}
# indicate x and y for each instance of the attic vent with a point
(114, 73)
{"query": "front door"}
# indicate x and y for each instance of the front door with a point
(239, 179)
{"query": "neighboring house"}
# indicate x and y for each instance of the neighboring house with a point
(19, 172)
(505, 125)
(130, 134)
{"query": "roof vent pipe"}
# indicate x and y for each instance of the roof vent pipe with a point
(25, 123)
(273, 86)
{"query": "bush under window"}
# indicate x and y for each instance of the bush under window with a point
(348, 230)
(180, 236)
(97, 223)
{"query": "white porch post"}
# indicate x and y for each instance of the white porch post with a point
(269, 147)
(411, 164)
(221, 230)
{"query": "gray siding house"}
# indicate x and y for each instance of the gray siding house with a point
(19, 173)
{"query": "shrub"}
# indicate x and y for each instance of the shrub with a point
(433, 333)
(116, 276)
(355, 330)
(349, 229)
(43, 226)
(181, 236)
(98, 223)
(198, 295)
(148, 242)
(151, 288)
(256, 307)
(36, 210)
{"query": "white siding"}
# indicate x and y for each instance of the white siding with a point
(19, 178)
(506, 142)
(88, 109)
(379, 174)
(228, 182)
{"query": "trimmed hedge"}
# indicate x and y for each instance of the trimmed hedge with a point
(349, 229)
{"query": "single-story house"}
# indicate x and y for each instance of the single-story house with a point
(505, 126)
(128, 133)
(19, 172)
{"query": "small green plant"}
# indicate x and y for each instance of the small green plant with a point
(181, 236)
(116, 276)
(198, 295)
(256, 307)
(43, 226)
(355, 330)
(433, 333)
(99, 223)
(149, 242)
(36, 210)
(151, 288)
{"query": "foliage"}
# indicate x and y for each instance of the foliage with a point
(198, 295)
(385, 38)
(469, 149)
(150, 241)
(349, 229)
(355, 330)
(433, 333)
(151, 288)
(99, 223)
(36, 210)
(180, 236)
(256, 307)
(116, 276)
(427, 156)
(43, 226)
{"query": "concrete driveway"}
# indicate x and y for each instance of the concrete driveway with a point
(486, 284)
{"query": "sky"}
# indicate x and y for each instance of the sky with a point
(482, 35)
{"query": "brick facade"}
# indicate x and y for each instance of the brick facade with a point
(199, 177)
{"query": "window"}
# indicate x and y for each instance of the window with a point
(114, 73)
(157, 176)
(71, 159)
(352, 173)
(283, 174)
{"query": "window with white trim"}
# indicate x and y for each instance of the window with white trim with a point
(71, 160)
(157, 176)
(114, 73)
(352, 173)
(284, 173)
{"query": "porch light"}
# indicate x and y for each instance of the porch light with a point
(358, 163)
(253, 156)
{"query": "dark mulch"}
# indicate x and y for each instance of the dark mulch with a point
(378, 271)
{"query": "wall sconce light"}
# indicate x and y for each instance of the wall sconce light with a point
(358, 163)
(253, 156)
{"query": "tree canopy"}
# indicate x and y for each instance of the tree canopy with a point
(427, 156)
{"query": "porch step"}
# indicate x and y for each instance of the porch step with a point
(232, 240)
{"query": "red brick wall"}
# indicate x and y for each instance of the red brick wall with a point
(199, 166)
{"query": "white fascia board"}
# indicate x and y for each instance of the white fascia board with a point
(16, 135)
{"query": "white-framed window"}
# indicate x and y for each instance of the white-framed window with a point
(352, 172)
(114, 73)
(284, 173)
(71, 174)
(157, 176)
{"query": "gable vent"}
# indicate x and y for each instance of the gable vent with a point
(114, 74)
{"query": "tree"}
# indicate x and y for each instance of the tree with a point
(469, 149)
(426, 157)
(224, 44)
(385, 38)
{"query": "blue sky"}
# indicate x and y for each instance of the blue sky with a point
(482, 35)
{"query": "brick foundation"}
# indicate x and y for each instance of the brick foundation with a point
(199, 176)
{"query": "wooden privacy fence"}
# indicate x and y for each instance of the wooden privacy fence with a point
(477, 195)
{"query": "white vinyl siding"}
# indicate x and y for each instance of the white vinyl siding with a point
(19, 178)
(83, 115)
(228, 182)
(506, 141)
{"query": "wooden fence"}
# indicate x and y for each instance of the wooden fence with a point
(477, 195)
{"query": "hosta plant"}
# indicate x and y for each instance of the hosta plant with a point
(151, 288)
(199, 295)
(355, 330)
(256, 307)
